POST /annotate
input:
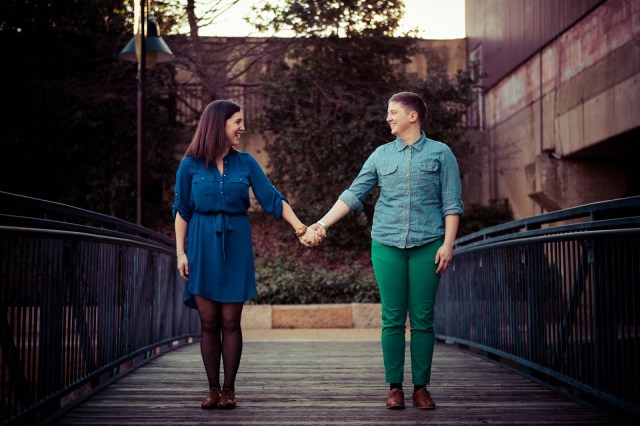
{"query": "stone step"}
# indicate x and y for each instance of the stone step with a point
(318, 316)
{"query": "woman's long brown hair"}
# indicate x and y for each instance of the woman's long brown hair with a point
(210, 141)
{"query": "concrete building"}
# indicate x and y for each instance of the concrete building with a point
(557, 117)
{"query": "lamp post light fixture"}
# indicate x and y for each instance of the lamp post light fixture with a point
(146, 48)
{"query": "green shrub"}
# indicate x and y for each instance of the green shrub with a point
(287, 282)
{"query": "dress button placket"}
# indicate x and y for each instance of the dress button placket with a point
(224, 174)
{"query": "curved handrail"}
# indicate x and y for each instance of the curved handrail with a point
(557, 301)
(619, 209)
(29, 207)
(84, 298)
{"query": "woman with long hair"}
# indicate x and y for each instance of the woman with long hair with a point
(213, 238)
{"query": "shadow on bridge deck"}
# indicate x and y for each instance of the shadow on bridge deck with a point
(325, 377)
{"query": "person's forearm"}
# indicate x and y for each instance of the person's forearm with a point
(290, 216)
(181, 233)
(339, 210)
(451, 223)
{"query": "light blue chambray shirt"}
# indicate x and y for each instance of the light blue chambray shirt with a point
(419, 186)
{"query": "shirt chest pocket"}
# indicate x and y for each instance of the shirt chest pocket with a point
(429, 178)
(238, 186)
(203, 190)
(429, 171)
(243, 182)
(388, 175)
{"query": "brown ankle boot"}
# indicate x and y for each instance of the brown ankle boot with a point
(227, 399)
(211, 400)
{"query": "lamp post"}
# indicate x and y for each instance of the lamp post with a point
(146, 48)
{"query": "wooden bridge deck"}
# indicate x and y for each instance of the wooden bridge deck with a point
(326, 382)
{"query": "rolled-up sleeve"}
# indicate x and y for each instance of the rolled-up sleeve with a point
(182, 193)
(451, 186)
(267, 195)
(362, 184)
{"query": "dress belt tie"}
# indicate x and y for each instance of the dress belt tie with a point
(222, 224)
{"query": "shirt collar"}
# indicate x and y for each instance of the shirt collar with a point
(418, 145)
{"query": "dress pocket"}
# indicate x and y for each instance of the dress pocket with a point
(203, 190)
(237, 187)
(240, 181)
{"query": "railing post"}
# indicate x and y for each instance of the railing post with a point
(75, 307)
(535, 282)
(52, 300)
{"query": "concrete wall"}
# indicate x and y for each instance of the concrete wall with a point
(561, 129)
(451, 54)
(330, 316)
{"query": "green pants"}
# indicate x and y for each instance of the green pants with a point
(407, 281)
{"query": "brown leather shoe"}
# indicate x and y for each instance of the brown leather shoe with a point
(395, 400)
(227, 399)
(211, 400)
(422, 399)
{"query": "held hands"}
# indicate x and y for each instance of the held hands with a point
(313, 236)
(320, 230)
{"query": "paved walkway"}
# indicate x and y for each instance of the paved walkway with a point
(325, 377)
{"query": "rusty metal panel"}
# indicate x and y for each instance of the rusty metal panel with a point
(507, 32)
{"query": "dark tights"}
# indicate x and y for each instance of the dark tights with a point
(221, 335)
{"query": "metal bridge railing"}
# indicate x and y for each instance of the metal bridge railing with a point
(560, 302)
(84, 298)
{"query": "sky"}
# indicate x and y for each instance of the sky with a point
(435, 19)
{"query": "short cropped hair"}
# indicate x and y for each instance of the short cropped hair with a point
(411, 102)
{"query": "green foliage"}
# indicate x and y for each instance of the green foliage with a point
(282, 281)
(326, 105)
(315, 18)
(327, 126)
(289, 273)
(477, 217)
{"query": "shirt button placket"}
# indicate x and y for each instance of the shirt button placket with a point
(407, 198)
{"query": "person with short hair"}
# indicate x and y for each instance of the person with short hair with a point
(414, 227)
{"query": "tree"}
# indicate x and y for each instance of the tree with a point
(326, 104)
(72, 115)
(330, 18)
(69, 134)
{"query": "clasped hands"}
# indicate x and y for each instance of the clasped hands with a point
(313, 236)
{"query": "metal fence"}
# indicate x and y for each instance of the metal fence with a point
(84, 298)
(556, 296)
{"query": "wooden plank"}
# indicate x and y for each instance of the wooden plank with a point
(329, 383)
